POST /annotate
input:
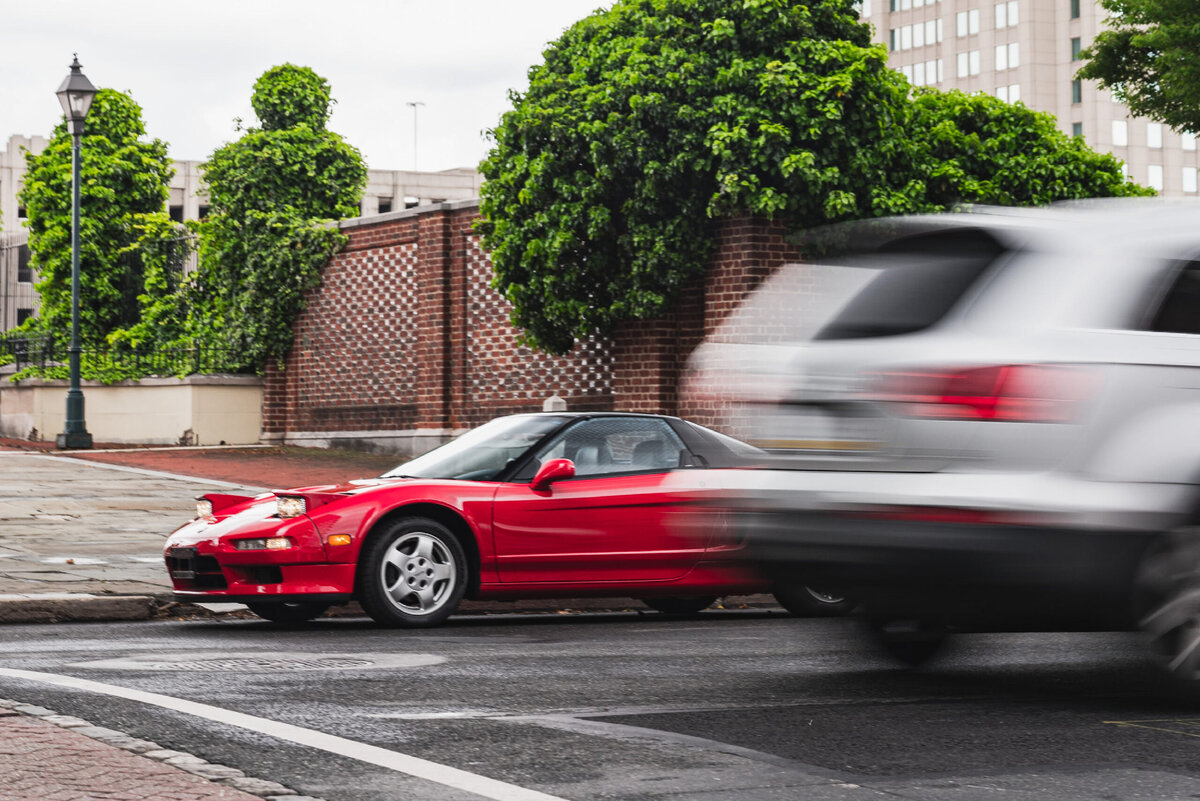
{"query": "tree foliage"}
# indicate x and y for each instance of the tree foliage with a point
(123, 189)
(649, 118)
(975, 148)
(1150, 57)
(272, 193)
(646, 120)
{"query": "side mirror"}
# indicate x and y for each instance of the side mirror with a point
(551, 471)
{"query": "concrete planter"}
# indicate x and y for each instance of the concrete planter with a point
(197, 410)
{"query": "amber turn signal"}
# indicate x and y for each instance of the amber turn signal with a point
(339, 539)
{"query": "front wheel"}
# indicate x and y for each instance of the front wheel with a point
(809, 601)
(681, 605)
(287, 613)
(412, 574)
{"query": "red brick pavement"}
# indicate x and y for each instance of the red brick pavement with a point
(273, 467)
(40, 761)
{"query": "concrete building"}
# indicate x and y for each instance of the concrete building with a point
(386, 190)
(1028, 50)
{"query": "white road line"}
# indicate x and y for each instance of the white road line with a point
(382, 757)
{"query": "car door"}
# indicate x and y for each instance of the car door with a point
(612, 521)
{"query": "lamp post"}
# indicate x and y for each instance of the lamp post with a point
(415, 105)
(75, 94)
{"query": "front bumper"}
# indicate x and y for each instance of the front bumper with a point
(204, 562)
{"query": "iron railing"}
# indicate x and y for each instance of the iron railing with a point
(43, 352)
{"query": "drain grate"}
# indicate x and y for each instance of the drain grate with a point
(257, 664)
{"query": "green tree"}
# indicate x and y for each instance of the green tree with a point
(646, 120)
(272, 193)
(649, 118)
(124, 187)
(1150, 58)
(975, 148)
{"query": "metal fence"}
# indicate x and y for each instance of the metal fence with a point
(44, 353)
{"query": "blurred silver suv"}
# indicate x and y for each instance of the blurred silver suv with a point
(996, 427)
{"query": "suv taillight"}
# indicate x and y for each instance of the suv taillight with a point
(1027, 393)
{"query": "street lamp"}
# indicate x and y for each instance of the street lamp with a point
(75, 94)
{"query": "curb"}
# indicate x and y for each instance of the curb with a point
(65, 607)
(218, 774)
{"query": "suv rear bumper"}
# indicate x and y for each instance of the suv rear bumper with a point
(997, 551)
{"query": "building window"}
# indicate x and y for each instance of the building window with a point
(918, 78)
(893, 39)
(1001, 57)
(1074, 9)
(23, 315)
(974, 59)
(1006, 14)
(963, 66)
(20, 212)
(906, 37)
(1077, 130)
(203, 212)
(1154, 135)
(176, 213)
(1010, 93)
(24, 273)
(385, 205)
(967, 22)
(1076, 47)
(1002, 93)
(891, 5)
(1014, 55)
(1077, 91)
(931, 32)
(918, 35)
(1188, 140)
(866, 8)
(1120, 133)
(1154, 177)
(905, 5)
(1189, 179)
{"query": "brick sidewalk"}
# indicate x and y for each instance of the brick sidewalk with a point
(40, 761)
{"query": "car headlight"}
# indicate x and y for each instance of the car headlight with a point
(263, 544)
(290, 506)
(204, 508)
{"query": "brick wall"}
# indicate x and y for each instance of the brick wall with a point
(405, 334)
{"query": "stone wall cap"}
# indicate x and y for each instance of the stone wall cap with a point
(406, 214)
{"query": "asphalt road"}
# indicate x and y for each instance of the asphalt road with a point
(744, 706)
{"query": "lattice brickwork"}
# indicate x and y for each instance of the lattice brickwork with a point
(503, 375)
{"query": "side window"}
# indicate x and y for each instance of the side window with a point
(1180, 310)
(610, 445)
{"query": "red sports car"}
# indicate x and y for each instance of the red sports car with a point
(532, 505)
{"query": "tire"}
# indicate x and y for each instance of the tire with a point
(807, 601)
(1167, 603)
(909, 642)
(413, 574)
(680, 606)
(288, 613)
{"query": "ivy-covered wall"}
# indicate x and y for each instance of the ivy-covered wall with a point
(405, 342)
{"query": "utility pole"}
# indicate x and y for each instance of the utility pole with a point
(414, 104)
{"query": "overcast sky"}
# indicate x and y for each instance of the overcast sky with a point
(192, 66)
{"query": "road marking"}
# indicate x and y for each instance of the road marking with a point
(373, 755)
(1163, 725)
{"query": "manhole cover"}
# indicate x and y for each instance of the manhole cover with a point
(210, 662)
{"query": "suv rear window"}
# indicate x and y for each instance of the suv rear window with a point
(921, 278)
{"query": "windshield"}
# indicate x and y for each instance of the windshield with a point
(481, 454)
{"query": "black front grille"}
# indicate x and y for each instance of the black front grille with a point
(191, 571)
